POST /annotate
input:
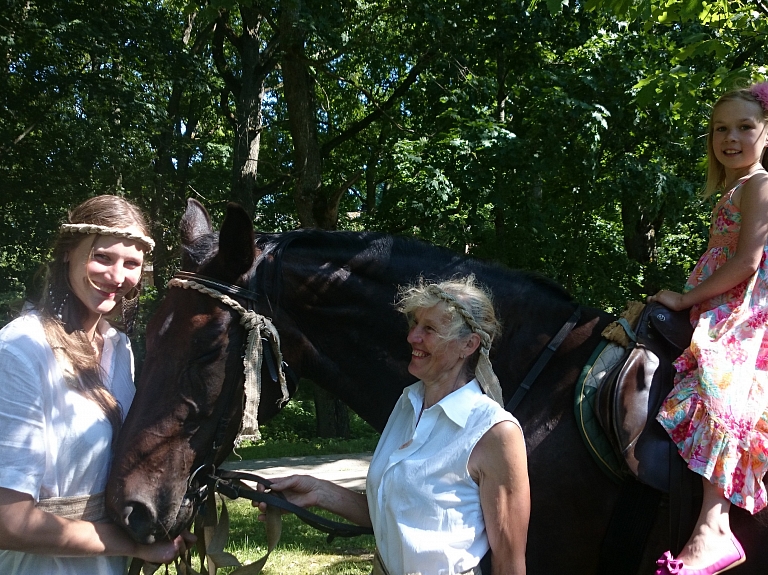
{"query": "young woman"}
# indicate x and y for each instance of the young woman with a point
(66, 383)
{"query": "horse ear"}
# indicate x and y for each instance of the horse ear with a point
(194, 223)
(236, 249)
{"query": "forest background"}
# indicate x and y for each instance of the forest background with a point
(562, 136)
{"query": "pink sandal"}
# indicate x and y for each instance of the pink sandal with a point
(668, 565)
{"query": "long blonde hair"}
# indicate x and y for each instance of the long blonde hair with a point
(716, 170)
(62, 312)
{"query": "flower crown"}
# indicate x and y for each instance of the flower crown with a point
(760, 92)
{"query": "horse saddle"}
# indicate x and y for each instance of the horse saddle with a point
(629, 397)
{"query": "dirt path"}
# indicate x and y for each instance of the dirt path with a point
(348, 470)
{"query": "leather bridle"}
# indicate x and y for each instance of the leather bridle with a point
(207, 479)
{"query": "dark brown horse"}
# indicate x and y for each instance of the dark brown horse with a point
(330, 295)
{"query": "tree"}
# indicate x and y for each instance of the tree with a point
(560, 138)
(72, 117)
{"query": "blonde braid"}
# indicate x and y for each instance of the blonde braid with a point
(465, 314)
(484, 371)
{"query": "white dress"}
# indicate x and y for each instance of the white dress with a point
(54, 442)
(424, 505)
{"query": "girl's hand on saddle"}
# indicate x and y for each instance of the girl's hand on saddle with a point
(165, 552)
(673, 300)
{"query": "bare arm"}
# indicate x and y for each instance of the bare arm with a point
(307, 491)
(500, 466)
(25, 528)
(753, 235)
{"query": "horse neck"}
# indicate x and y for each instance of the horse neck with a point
(338, 322)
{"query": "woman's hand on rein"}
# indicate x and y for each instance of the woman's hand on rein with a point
(670, 299)
(301, 490)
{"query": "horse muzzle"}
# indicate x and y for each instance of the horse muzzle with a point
(147, 523)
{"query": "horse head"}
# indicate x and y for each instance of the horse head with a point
(190, 395)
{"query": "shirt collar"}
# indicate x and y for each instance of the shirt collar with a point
(456, 405)
(107, 330)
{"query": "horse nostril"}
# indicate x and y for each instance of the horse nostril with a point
(138, 519)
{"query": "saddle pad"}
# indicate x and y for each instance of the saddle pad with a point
(606, 355)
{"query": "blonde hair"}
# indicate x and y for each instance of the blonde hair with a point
(61, 312)
(716, 170)
(468, 304)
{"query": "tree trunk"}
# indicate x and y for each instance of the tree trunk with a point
(641, 238)
(302, 121)
(499, 220)
(248, 123)
(313, 209)
(331, 415)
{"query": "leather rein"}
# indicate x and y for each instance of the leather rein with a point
(543, 359)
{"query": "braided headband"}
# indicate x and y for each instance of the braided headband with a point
(148, 242)
(484, 371)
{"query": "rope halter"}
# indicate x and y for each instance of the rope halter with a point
(146, 241)
(484, 371)
(258, 327)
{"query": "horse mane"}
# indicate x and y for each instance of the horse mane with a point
(521, 280)
(419, 257)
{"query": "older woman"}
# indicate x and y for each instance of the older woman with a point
(448, 480)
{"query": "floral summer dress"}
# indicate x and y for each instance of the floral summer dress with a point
(717, 412)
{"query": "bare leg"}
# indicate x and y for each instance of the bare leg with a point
(711, 538)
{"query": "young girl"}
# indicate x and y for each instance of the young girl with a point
(717, 413)
(66, 383)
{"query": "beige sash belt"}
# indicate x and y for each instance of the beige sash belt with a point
(379, 569)
(378, 565)
(85, 507)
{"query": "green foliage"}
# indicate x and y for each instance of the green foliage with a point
(291, 433)
(552, 136)
(529, 148)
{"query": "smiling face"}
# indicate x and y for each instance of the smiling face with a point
(739, 136)
(433, 358)
(101, 271)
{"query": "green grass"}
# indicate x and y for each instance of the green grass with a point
(302, 550)
(269, 449)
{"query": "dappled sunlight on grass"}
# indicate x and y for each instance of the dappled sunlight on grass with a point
(295, 562)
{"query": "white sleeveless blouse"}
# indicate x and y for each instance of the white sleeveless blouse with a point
(424, 506)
